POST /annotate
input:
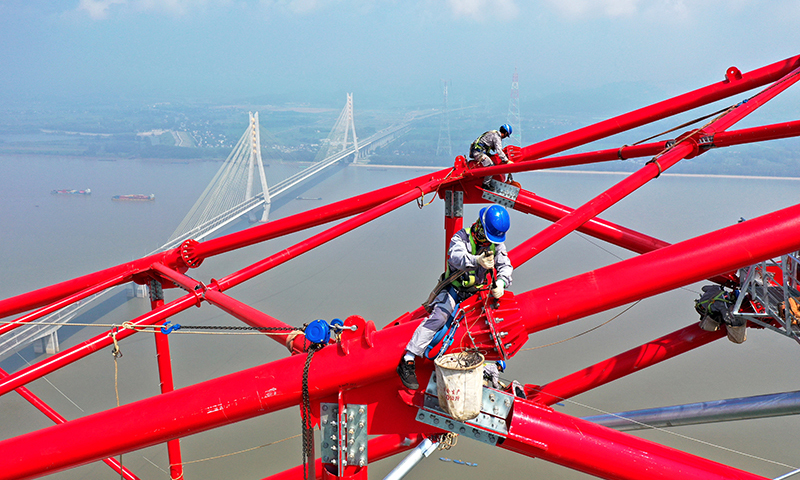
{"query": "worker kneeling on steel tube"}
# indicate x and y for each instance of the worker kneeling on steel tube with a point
(474, 252)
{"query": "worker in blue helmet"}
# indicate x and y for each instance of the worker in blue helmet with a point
(474, 253)
(491, 374)
(489, 143)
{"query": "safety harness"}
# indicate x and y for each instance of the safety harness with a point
(479, 145)
(461, 281)
(468, 281)
(445, 334)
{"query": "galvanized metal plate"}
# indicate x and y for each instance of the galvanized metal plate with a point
(487, 427)
(501, 193)
(450, 425)
(344, 435)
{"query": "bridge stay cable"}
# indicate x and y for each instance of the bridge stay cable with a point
(232, 194)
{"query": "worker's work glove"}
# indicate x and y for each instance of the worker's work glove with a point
(499, 289)
(486, 260)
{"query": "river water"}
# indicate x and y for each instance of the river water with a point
(379, 272)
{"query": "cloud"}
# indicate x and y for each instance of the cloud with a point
(102, 9)
(484, 10)
(302, 6)
(681, 9)
(98, 9)
(583, 8)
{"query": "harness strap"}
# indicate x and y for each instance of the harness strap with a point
(479, 145)
(446, 333)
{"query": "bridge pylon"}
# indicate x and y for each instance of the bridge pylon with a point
(255, 161)
(339, 138)
(232, 192)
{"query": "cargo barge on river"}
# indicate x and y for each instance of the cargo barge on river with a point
(138, 197)
(88, 191)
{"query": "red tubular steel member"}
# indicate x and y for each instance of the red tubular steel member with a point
(322, 237)
(81, 350)
(622, 153)
(378, 448)
(198, 251)
(272, 387)
(757, 134)
(315, 217)
(528, 202)
(634, 360)
(679, 264)
(210, 404)
(249, 315)
(64, 302)
(164, 361)
(686, 148)
(44, 296)
(540, 432)
(258, 319)
(56, 417)
(721, 139)
(734, 84)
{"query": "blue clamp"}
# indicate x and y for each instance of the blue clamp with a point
(166, 329)
(337, 324)
(318, 331)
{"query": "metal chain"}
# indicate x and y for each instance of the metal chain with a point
(234, 327)
(305, 412)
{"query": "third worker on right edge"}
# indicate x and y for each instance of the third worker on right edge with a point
(483, 146)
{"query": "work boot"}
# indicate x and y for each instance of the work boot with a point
(408, 375)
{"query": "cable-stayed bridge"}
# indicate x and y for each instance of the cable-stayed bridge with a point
(238, 189)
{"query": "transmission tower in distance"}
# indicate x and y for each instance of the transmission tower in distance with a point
(444, 148)
(513, 112)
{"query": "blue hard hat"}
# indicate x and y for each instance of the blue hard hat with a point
(505, 128)
(495, 222)
(501, 364)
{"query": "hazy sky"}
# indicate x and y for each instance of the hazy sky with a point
(384, 51)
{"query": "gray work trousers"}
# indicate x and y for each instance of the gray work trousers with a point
(443, 306)
(484, 161)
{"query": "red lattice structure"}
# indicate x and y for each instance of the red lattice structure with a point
(391, 414)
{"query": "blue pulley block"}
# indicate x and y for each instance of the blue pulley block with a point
(318, 331)
(337, 324)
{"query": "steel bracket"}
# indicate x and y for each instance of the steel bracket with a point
(501, 193)
(488, 427)
(344, 435)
